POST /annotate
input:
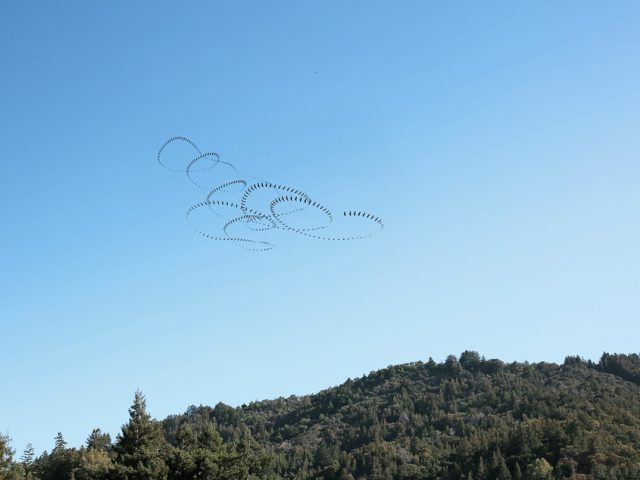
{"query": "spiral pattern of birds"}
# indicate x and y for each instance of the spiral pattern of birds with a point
(256, 220)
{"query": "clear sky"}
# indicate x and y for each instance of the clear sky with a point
(498, 141)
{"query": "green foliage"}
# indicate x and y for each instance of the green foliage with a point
(540, 469)
(624, 366)
(8, 469)
(464, 416)
(141, 449)
(98, 440)
(467, 418)
(28, 455)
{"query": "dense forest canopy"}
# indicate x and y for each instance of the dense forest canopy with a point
(465, 418)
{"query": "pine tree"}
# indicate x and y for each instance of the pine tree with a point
(28, 455)
(59, 445)
(470, 360)
(499, 467)
(517, 473)
(482, 470)
(98, 440)
(6, 458)
(140, 447)
(59, 464)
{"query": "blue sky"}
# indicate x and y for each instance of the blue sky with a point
(499, 143)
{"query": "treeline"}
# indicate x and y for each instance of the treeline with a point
(466, 418)
(141, 452)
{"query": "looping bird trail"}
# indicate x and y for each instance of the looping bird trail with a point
(286, 205)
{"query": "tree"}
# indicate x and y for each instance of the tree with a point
(199, 454)
(470, 360)
(481, 473)
(451, 365)
(539, 469)
(140, 447)
(499, 467)
(60, 464)
(59, 445)
(7, 466)
(517, 473)
(93, 464)
(28, 455)
(27, 461)
(98, 440)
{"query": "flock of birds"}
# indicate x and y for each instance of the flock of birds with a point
(259, 206)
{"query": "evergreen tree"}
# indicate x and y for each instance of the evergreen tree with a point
(61, 463)
(59, 445)
(470, 360)
(517, 472)
(499, 467)
(198, 456)
(140, 447)
(98, 440)
(27, 458)
(7, 466)
(482, 472)
(28, 455)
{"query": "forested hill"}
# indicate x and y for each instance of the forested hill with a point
(465, 418)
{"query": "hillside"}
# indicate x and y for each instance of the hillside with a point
(465, 418)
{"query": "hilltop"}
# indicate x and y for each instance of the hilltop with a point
(466, 418)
